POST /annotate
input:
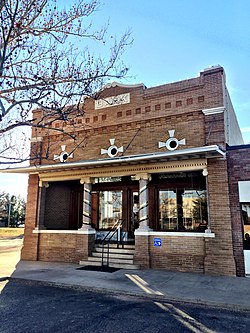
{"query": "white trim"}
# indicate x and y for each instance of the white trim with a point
(208, 112)
(117, 84)
(77, 232)
(174, 234)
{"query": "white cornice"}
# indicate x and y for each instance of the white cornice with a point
(208, 112)
(117, 84)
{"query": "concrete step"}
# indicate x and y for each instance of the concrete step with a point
(113, 250)
(111, 260)
(113, 255)
(114, 265)
(114, 246)
(89, 263)
(118, 257)
(125, 266)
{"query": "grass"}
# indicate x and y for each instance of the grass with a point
(11, 232)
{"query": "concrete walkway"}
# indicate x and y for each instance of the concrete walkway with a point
(166, 285)
(157, 284)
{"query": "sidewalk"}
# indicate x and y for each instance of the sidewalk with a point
(155, 284)
(164, 285)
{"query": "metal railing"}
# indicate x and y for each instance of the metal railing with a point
(114, 234)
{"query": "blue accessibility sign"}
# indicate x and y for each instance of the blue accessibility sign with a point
(157, 242)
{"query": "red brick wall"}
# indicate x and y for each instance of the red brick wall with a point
(219, 250)
(178, 253)
(151, 112)
(239, 170)
(214, 130)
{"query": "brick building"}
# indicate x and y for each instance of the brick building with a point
(155, 159)
(238, 158)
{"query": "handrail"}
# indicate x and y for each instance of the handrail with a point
(118, 225)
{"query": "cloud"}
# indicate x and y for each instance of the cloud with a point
(245, 129)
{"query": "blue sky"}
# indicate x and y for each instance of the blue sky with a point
(175, 40)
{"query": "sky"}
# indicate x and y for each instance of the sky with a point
(175, 40)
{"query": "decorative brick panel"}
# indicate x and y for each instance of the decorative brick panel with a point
(65, 247)
(142, 256)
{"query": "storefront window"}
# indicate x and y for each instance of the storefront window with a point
(110, 208)
(183, 210)
(168, 210)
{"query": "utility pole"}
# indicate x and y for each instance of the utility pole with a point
(9, 211)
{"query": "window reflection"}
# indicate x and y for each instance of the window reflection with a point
(110, 208)
(168, 210)
(183, 210)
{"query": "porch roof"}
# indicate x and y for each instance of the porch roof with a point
(212, 151)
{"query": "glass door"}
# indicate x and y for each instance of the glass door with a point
(111, 202)
(110, 208)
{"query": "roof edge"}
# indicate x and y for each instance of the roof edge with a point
(205, 151)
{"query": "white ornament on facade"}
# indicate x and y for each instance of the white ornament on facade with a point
(172, 143)
(112, 101)
(63, 156)
(112, 150)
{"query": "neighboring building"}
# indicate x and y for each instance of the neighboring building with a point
(158, 159)
(238, 158)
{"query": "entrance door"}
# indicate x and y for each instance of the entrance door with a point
(110, 208)
(110, 204)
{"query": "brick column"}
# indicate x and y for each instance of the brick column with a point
(219, 257)
(30, 243)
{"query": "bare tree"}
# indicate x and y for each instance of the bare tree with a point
(40, 67)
